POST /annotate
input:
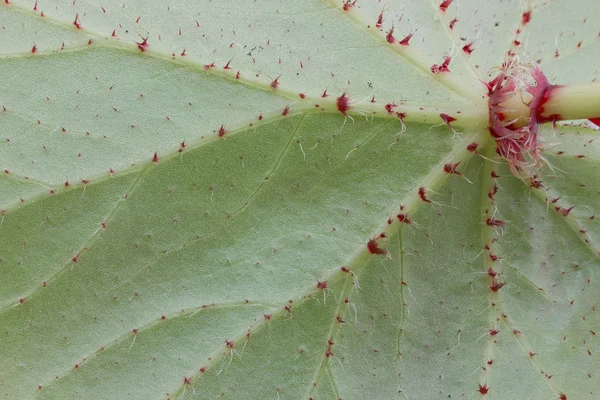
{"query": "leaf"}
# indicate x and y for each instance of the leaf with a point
(285, 200)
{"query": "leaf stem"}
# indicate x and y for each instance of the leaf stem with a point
(576, 101)
(559, 103)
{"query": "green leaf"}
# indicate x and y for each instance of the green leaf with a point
(269, 200)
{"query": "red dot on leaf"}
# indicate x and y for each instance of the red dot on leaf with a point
(275, 83)
(445, 4)
(406, 40)
(374, 248)
(468, 48)
(77, 23)
(483, 389)
(343, 103)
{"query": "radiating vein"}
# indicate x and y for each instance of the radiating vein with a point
(87, 243)
(444, 22)
(274, 168)
(334, 329)
(146, 329)
(465, 88)
(571, 222)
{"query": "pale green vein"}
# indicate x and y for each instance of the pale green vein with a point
(273, 169)
(241, 339)
(45, 53)
(487, 208)
(357, 261)
(445, 23)
(526, 349)
(538, 289)
(569, 220)
(497, 309)
(146, 329)
(17, 177)
(332, 335)
(333, 383)
(467, 89)
(470, 115)
(88, 242)
(164, 156)
(401, 269)
(209, 137)
(247, 78)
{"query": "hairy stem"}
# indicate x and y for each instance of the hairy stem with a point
(559, 103)
(577, 101)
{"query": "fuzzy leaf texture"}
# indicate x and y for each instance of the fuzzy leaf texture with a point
(289, 200)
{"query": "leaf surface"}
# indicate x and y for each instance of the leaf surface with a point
(260, 200)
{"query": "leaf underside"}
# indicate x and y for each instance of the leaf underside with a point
(184, 214)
